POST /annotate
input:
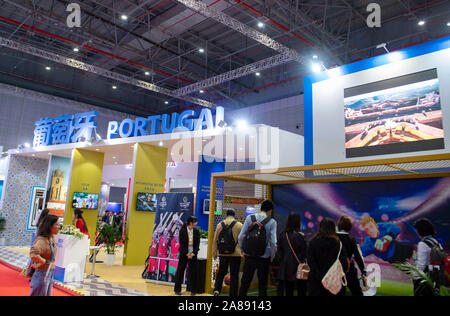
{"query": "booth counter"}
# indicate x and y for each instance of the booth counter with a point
(70, 258)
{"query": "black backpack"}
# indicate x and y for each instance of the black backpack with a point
(226, 243)
(438, 260)
(255, 243)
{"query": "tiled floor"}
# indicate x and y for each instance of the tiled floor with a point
(89, 287)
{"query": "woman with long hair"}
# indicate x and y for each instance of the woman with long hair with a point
(43, 254)
(322, 253)
(80, 223)
(292, 248)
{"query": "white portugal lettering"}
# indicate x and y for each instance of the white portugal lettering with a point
(374, 18)
(74, 18)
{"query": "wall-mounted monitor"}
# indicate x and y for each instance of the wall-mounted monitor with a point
(85, 200)
(218, 208)
(146, 202)
(397, 115)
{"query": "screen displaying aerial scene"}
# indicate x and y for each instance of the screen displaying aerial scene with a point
(398, 115)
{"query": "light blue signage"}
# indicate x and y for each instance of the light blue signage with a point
(165, 123)
(76, 128)
(65, 129)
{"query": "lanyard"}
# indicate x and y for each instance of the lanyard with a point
(52, 250)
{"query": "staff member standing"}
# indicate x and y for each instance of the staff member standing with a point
(43, 253)
(189, 247)
(226, 247)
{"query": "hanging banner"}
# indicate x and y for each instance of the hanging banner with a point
(57, 185)
(172, 211)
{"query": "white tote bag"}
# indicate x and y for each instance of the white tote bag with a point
(335, 277)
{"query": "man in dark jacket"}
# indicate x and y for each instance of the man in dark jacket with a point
(189, 247)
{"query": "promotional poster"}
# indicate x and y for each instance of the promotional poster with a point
(172, 211)
(58, 184)
(376, 208)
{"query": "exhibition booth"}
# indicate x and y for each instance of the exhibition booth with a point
(376, 150)
(156, 178)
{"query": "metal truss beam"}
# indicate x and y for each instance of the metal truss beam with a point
(233, 74)
(199, 6)
(97, 70)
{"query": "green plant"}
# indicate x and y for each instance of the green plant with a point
(424, 279)
(203, 234)
(72, 231)
(110, 236)
(2, 223)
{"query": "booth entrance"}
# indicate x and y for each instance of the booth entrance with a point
(393, 192)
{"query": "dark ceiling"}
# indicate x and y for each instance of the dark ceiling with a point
(160, 41)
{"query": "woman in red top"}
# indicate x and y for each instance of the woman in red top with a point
(79, 221)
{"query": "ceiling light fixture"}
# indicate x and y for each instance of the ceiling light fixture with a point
(260, 25)
(421, 23)
(48, 68)
(124, 17)
(76, 49)
(258, 74)
(201, 50)
(114, 87)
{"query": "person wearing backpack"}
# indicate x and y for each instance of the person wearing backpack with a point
(226, 247)
(258, 241)
(324, 252)
(429, 255)
(353, 251)
(292, 249)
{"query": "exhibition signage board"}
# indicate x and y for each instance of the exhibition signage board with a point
(82, 127)
(35, 207)
(149, 176)
(377, 209)
(172, 211)
(387, 106)
(241, 200)
(70, 258)
(58, 184)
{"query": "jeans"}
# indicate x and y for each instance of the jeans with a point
(252, 264)
(234, 263)
(40, 285)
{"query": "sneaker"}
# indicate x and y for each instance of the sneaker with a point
(216, 293)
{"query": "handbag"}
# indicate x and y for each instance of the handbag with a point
(335, 277)
(29, 270)
(302, 268)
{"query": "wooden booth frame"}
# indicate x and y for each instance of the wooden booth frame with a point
(428, 166)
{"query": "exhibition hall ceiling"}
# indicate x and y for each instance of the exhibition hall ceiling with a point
(174, 44)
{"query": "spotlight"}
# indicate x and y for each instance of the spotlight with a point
(241, 124)
(395, 56)
(315, 67)
(421, 23)
(260, 25)
(448, 24)
(258, 74)
(161, 144)
(315, 57)
(114, 87)
(201, 50)
(76, 49)
(27, 145)
(48, 68)
(147, 73)
(124, 17)
(166, 102)
(201, 91)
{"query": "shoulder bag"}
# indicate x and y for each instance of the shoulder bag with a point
(303, 268)
(335, 277)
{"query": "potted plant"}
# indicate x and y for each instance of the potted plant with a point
(2, 228)
(424, 279)
(110, 236)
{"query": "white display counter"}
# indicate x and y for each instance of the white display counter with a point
(70, 258)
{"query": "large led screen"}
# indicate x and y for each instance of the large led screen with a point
(397, 115)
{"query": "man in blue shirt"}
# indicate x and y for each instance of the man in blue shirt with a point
(260, 264)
